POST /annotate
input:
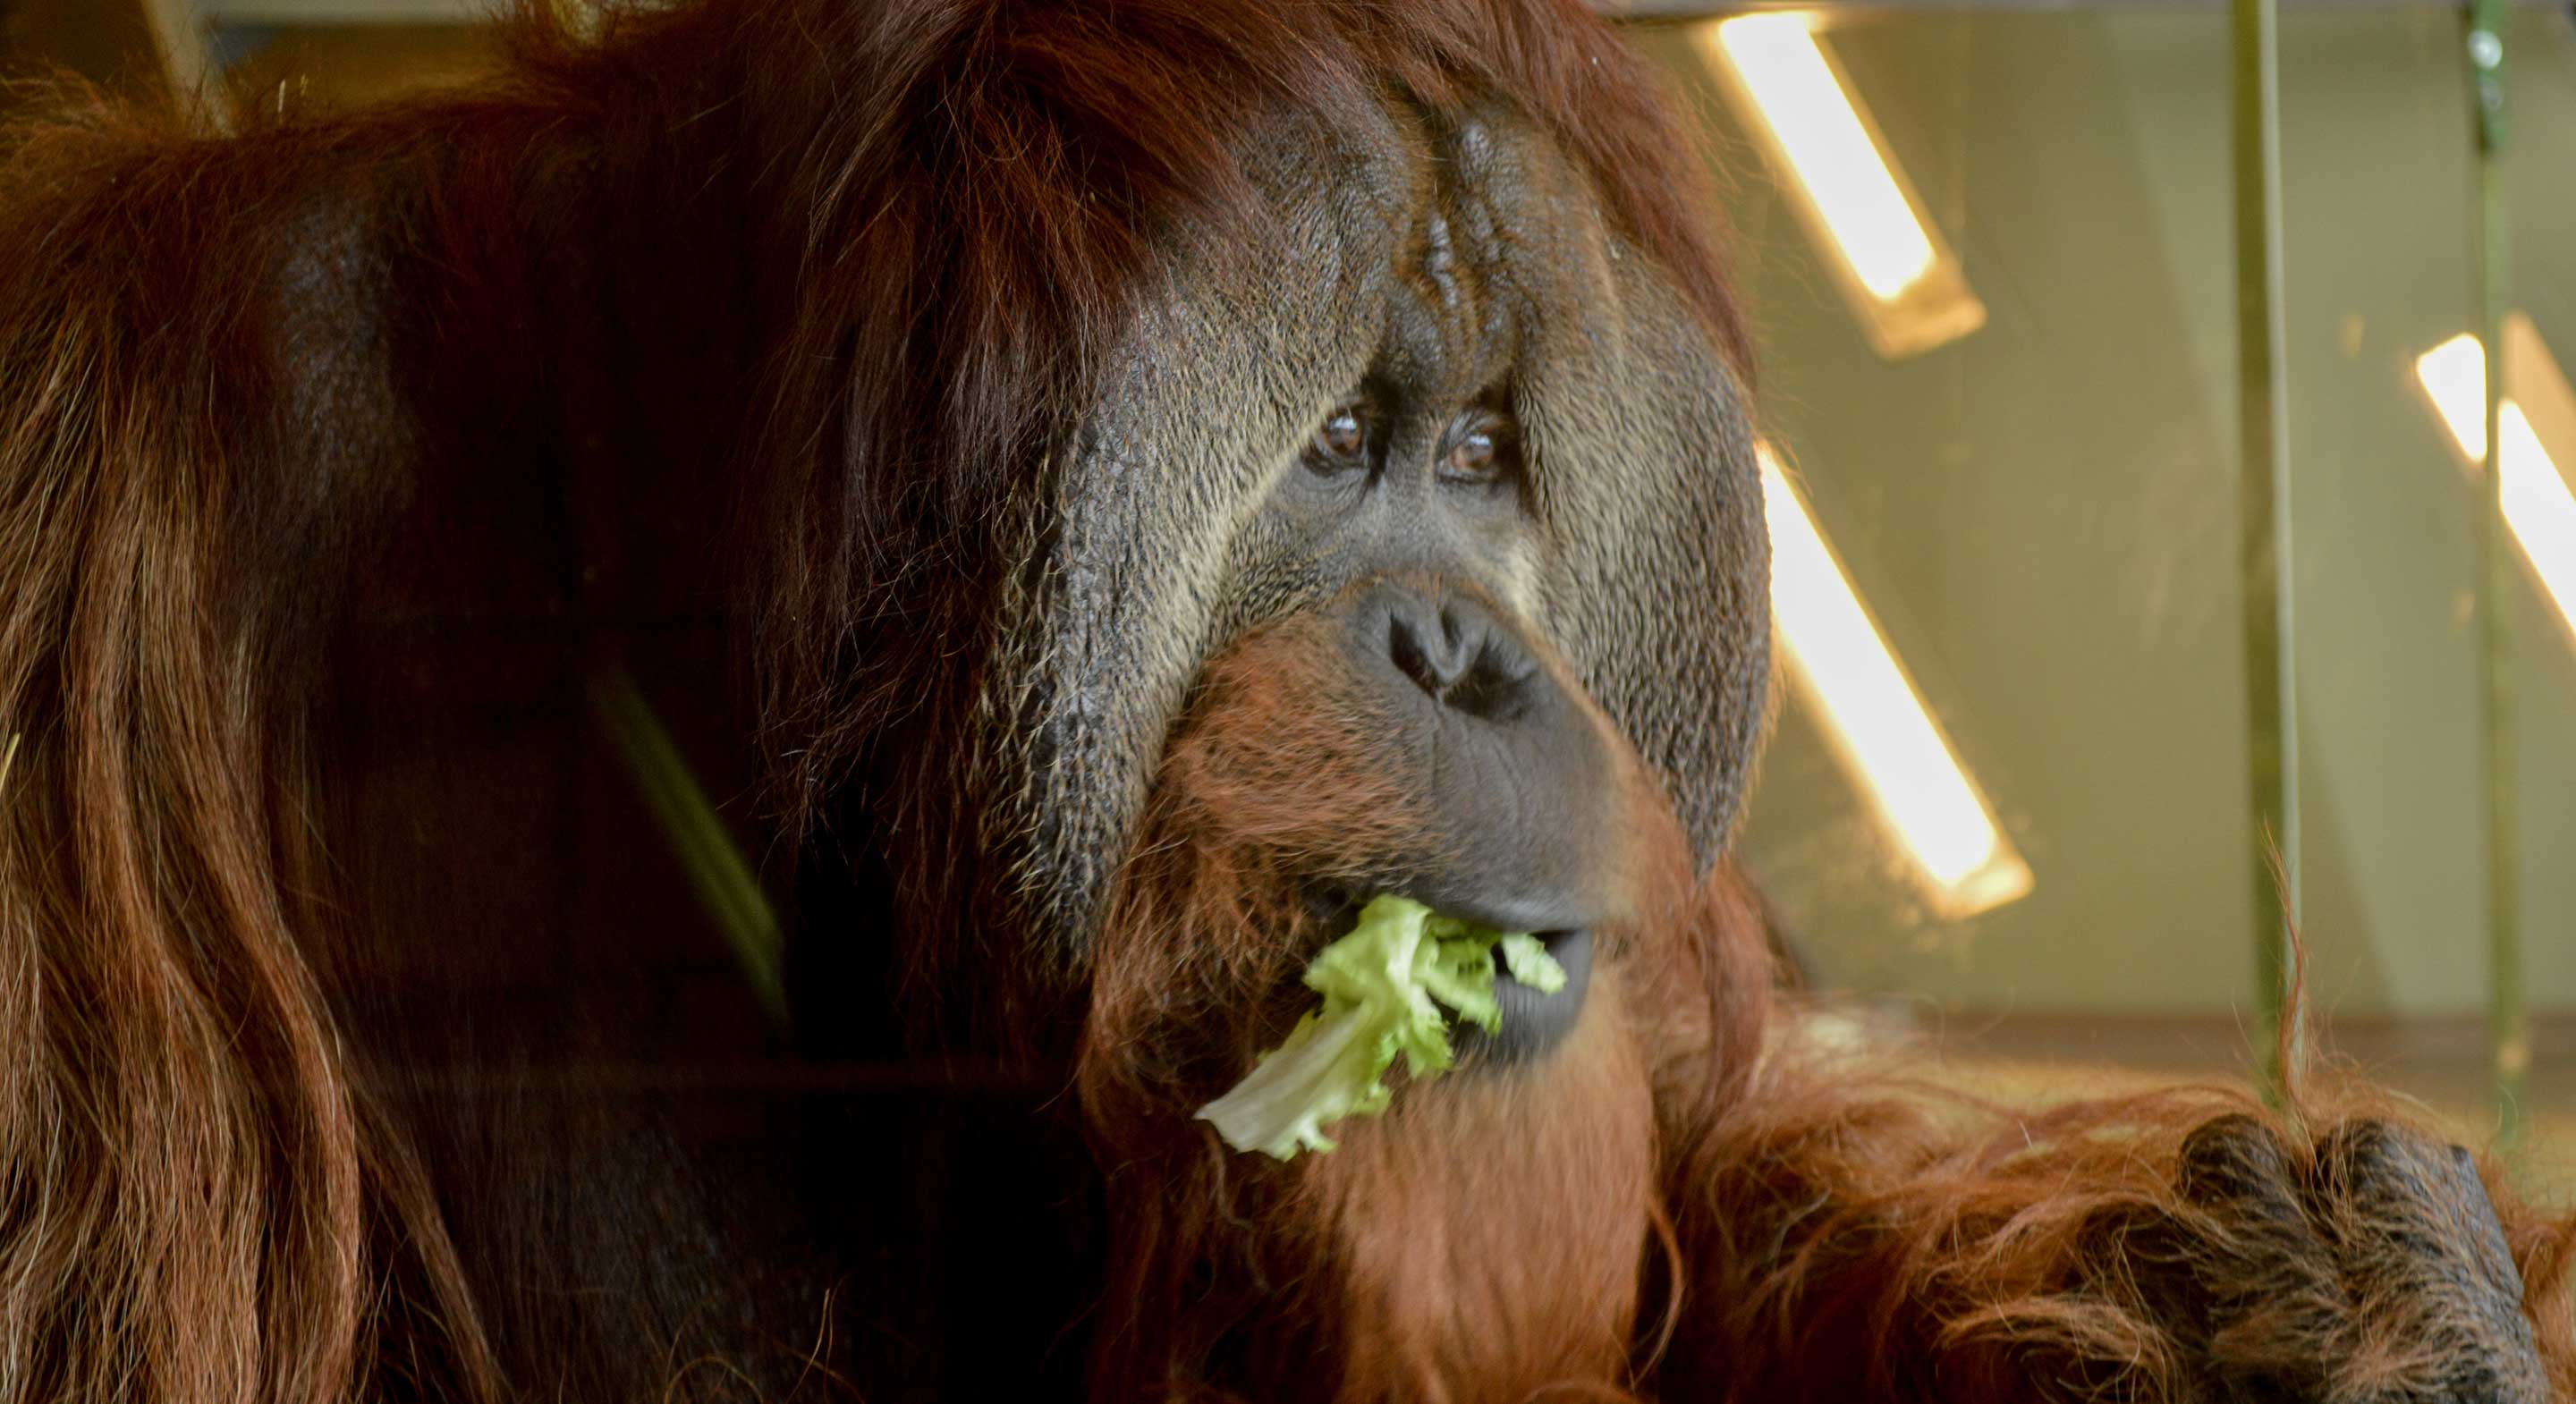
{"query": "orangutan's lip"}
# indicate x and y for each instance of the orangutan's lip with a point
(1535, 1022)
(1547, 917)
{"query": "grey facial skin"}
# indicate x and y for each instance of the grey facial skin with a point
(1431, 280)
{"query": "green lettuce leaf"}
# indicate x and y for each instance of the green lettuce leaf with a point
(1527, 958)
(1383, 986)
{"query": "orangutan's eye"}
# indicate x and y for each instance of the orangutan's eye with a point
(1343, 436)
(1342, 442)
(1479, 456)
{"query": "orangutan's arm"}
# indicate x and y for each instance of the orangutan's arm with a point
(1853, 1242)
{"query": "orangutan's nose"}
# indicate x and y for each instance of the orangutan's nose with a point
(1458, 653)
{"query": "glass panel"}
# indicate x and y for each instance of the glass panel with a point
(2041, 515)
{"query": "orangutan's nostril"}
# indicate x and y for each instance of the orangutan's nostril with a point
(1494, 687)
(1404, 649)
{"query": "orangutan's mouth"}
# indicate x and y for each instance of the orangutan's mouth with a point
(1534, 1022)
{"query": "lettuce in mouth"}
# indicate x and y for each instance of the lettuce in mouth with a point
(1383, 985)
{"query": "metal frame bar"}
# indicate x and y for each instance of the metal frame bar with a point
(184, 33)
(2508, 1021)
(2263, 496)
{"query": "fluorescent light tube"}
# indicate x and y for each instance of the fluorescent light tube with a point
(2538, 509)
(1877, 720)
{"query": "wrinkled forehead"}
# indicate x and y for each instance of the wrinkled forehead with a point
(1469, 237)
(1443, 249)
(1453, 253)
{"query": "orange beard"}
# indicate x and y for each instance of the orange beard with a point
(1488, 1237)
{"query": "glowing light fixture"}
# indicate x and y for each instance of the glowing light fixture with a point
(1878, 722)
(2538, 508)
(1893, 267)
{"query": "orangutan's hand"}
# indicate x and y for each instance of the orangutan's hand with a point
(2373, 1270)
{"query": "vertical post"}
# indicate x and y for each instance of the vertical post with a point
(187, 56)
(2508, 1024)
(2264, 509)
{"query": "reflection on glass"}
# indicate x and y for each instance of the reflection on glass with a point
(1897, 274)
(2537, 506)
(1887, 739)
(1828, 150)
